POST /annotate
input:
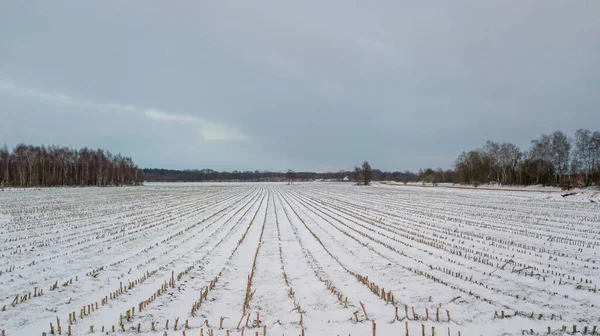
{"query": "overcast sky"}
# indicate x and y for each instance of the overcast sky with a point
(308, 85)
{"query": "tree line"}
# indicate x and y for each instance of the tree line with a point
(207, 175)
(49, 166)
(552, 159)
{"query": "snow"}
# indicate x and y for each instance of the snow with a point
(317, 253)
(495, 186)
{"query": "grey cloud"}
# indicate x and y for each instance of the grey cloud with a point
(207, 129)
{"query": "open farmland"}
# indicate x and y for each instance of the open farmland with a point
(312, 259)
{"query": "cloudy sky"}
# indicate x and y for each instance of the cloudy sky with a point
(309, 85)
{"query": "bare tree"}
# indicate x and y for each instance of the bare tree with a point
(490, 155)
(367, 173)
(561, 147)
(509, 157)
(583, 158)
(290, 176)
(541, 154)
(357, 174)
(596, 157)
(4, 166)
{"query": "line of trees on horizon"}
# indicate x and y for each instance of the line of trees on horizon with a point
(49, 166)
(207, 175)
(553, 159)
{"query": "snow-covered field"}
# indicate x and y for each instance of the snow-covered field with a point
(314, 258)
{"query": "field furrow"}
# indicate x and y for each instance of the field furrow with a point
(303, 259)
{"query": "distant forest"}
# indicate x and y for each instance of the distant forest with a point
(553, 159)
(49, 166)
(204, 175)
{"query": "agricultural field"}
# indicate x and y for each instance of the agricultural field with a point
(305, 259)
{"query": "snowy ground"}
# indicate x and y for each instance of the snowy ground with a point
(318, 258)
(494, 186)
